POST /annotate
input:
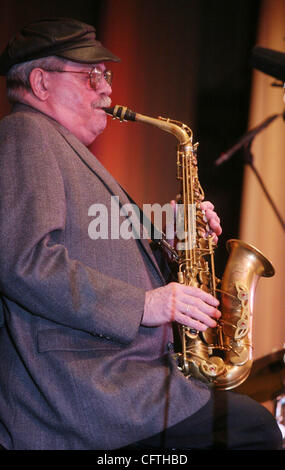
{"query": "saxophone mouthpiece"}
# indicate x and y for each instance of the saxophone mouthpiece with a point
(109, 110)
(121, 112)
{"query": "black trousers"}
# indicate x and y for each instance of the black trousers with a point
(227, 421)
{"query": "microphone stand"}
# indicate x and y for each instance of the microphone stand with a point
(245, 143)
(248, 159)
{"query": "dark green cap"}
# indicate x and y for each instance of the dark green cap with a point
(61, 37)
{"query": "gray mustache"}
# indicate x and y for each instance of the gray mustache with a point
(102, 103)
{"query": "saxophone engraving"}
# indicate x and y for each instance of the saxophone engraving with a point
(220, 356)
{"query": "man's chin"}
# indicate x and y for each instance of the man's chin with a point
(98, 128)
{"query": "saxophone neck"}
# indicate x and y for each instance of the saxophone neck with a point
(182, 132)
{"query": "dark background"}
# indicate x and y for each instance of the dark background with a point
(224, 87)
(224, 34)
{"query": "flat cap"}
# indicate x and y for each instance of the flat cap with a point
(61, 37)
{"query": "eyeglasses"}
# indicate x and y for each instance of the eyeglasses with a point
(95, 75)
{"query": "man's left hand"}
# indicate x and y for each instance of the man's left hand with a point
(212, 219)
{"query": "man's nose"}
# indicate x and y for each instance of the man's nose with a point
(104, 87)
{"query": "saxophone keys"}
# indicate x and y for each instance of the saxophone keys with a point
(214, 367)
(191, 333)
(241, 328)
(180, 277)
(239, 356)
(204, 278)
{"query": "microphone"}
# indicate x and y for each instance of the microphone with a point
(246, 139)
(272, 63)
(269, 61)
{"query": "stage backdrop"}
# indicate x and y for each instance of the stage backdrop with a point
(259, 225)
(157, 76)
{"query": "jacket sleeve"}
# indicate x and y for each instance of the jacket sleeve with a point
(35, 268)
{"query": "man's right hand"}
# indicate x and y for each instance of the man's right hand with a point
(187, 305)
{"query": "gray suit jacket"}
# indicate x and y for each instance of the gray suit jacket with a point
(77, 370)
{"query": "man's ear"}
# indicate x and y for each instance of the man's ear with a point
(38, 82)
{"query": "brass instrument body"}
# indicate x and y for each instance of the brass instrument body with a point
(224, 354)
(220, 356)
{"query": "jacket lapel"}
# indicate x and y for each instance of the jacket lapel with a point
(107, 179)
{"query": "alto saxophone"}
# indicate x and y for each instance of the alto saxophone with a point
(220, 356)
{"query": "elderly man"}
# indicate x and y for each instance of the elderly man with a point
(86, 324)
